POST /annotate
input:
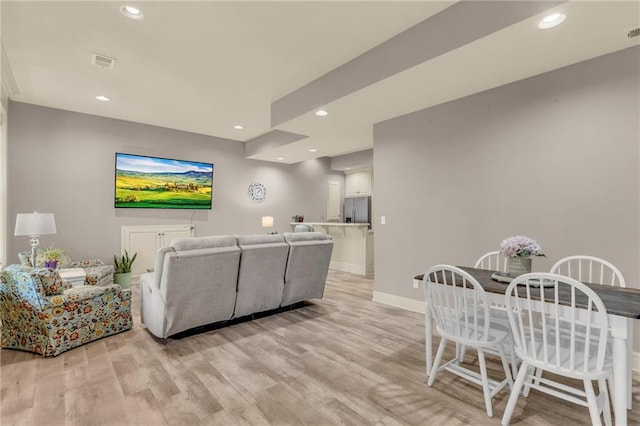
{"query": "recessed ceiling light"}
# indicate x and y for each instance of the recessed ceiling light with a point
(321, 113)
(102, 98)
(238, 127)
(551, 21)
(131, 12)
(280, 158)
(313, 150)
(347, 168)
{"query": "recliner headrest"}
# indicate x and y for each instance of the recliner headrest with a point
(203, 242)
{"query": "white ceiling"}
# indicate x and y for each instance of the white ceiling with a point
(205, 66)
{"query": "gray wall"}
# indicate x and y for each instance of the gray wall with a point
(63, 162)
(554, 157)
(355, 160)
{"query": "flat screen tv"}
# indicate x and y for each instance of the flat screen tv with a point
(162, 183)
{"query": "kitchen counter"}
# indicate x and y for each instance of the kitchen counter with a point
(352, 245)
(314, 224)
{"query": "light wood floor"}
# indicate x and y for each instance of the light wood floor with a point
(343, 360)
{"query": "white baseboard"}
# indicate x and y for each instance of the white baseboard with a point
(418, 306)
(399, 302)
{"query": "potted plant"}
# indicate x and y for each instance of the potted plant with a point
(297, 218)
(51, 256)
(122, 265)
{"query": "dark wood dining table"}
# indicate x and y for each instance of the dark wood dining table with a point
(623, 307)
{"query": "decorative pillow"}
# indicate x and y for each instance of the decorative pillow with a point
(25, 259)
(38, 279)
(50, 281)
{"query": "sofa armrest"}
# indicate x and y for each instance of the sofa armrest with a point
(99, 275)
(76, 299)
(87, 263)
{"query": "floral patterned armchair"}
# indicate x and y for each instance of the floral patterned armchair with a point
(41, 313)
(98, 273)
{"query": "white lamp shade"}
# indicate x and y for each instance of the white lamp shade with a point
(267, 221)
(35, 224)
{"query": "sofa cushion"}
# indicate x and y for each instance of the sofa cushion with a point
(203, 242)
(261, 277)
(249, 240)
(292, 237)
(307, 266)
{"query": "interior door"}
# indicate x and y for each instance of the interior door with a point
(333, 201)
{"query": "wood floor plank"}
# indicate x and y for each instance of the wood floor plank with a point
(342, 360)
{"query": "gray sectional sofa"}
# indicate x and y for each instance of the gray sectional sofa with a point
(204, 280)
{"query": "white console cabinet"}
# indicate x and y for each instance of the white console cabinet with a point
(358, 183)
(146, 240)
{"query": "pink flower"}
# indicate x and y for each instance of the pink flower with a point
(520, 246)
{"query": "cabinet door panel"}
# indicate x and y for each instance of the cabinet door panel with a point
(145, 240)
(365, 183)
(145, 244)
(350, 185)
(170, 235)
(358, 184)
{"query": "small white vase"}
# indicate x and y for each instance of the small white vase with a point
(518, 265)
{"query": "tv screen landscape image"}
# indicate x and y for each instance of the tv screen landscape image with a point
(162, 183)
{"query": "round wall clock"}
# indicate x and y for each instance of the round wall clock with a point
(257, 192)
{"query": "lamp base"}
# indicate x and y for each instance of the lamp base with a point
(34, 244)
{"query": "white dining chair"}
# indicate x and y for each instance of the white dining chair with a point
(595, 270)
(566, 336)
(461, 312)
(589, 269)
(492, 261)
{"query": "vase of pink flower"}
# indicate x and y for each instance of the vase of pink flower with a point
(519, 250)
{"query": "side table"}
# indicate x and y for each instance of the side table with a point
(75, 276)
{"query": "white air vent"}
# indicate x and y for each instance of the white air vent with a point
(103, 61)
(633, 33)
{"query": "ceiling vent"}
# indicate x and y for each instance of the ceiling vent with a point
(633, 33)
(103, 61)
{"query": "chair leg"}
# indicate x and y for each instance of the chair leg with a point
(507, 368)
(485, 382)
(606, 409)
(515, 393)
(463, 352)
(535, 378)
(436, 362)
(592, 402)
(514, 361)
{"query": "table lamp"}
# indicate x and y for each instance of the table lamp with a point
(35, 224)
(267, 221)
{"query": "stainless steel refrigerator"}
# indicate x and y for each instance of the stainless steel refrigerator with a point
(357, 210)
